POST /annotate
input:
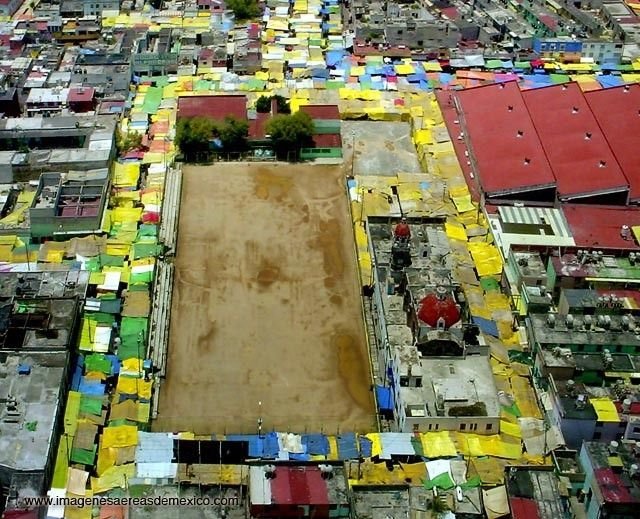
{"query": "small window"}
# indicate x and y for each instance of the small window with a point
(416, 427)
(404, 381)
(543, 46)
(489, 426)
(430, 425)
(463, 426)
(562, 47)
(636, 430)
(418, 381)
(437, 426)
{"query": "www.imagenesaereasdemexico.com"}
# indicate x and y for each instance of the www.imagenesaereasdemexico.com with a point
(82, 502)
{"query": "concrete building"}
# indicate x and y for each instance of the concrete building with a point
(80, 8)
(401, 25)
(435, 371)
(39, 320)
(69, 203)
(46, 102)
(39, 145)
(108, 72)
(572, 50)
(156, 53)
(589, 352)
(612, 479)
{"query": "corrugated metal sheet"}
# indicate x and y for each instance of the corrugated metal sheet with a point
(299, 486)
(259, 487)
(536, 216)
(580, 156)
(215, 107)
(621, 126)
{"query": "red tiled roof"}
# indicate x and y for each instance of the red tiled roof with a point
(214, 107)
(321, 111)
(599, 225)
(580, 156)
(504, 142)
(617, 112)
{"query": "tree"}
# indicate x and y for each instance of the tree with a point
(129, 141)
(244, 9)
(233, 134)
(290, 133)
(283, 104)
(193, 136)
(263, 104)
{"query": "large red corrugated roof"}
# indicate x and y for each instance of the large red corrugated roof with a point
(299, 486)
(504, 143)
(617, 110)
(215, 107)
(600, 226)
(580, 156)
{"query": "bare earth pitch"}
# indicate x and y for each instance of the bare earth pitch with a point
(266, 305)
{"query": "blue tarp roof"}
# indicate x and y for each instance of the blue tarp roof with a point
(610, 81)
(91, 387)
(384, 396)
(333, 57)
(317, 444)
(347, 446)
(486, 326)
(365, 447)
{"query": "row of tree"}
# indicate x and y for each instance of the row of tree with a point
(197, 137)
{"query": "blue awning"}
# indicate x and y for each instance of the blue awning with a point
(384, 395)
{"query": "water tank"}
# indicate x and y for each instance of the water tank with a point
(439, 306)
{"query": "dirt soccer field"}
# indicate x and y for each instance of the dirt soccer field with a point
(266, 318)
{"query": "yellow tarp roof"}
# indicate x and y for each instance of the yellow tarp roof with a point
(605, 409)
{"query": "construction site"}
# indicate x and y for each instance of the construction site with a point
(266, 322)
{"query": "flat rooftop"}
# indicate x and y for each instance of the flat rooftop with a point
(26, 430)
(266, 318)
(460, 381)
